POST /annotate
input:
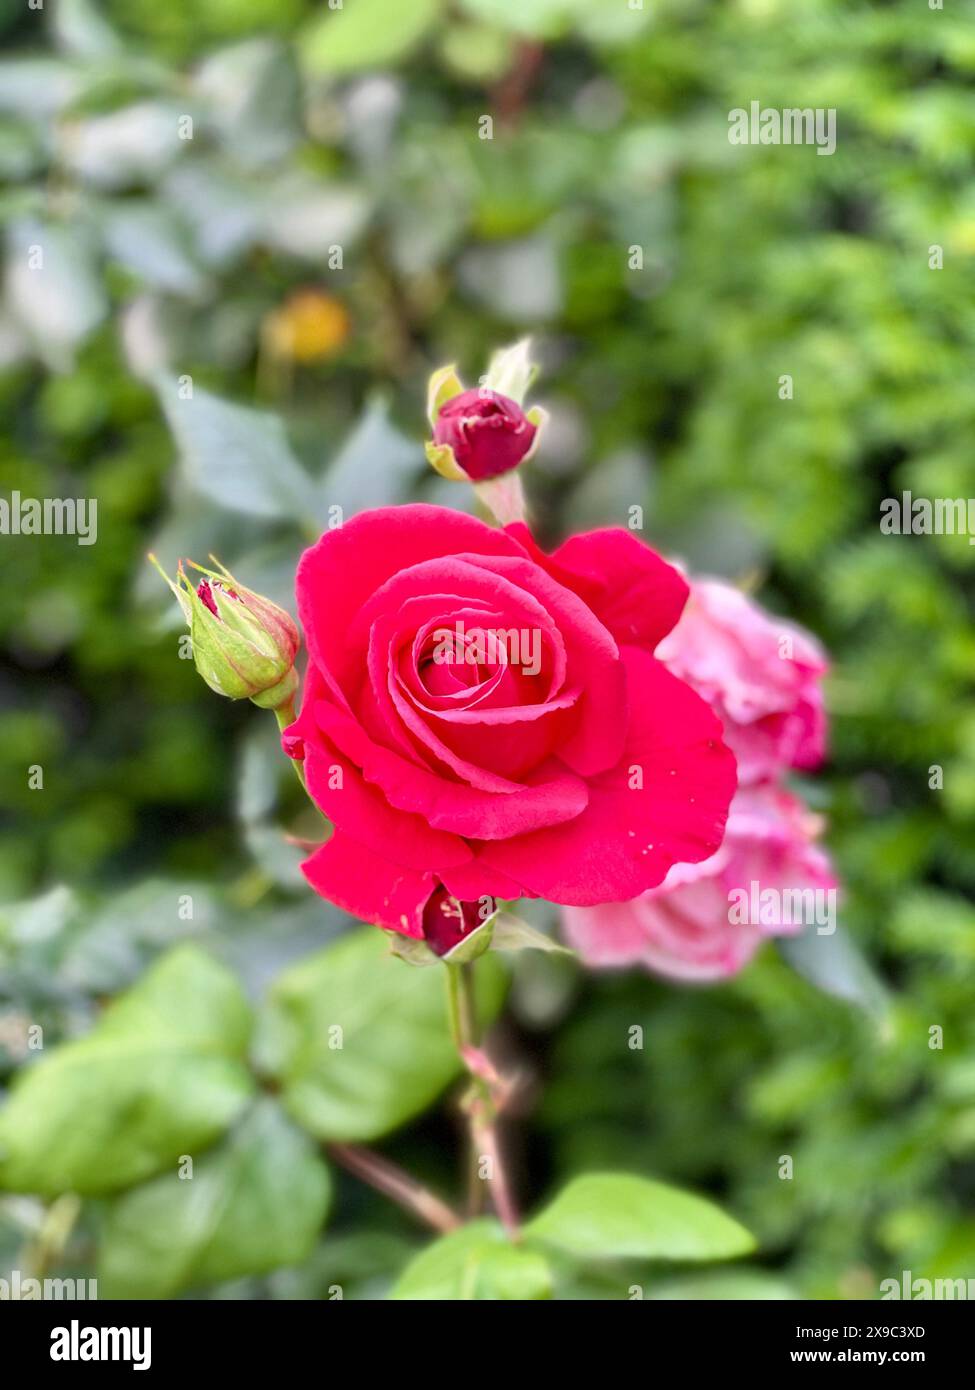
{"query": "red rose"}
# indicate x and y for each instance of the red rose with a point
(579, 772)
(488, 433)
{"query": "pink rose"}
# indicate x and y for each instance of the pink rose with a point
(488, 433)
(706, 920)
(579, 772)
(761, 675)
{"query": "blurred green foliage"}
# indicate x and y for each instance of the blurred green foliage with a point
(358, 128)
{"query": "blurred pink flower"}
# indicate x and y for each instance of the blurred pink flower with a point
(761, 675)
(705, 921)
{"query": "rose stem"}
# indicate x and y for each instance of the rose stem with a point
(460, 1010)
(386, 1178)
(285, 715)
(479, 1104)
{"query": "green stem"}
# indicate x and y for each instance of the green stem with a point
(479, 1102)
(453, 1005)
(461, 1005)
(46, 1250)
(285, 715)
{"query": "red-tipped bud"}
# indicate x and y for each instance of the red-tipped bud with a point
(244, 646)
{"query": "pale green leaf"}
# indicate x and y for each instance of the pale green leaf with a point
(513, 934)
(751, 1286)
(162, 1074)
(615, 1215)
(366, 34)
(833, 962)
(237, 456)
(442, 387)
(511, 370)
(475, 1262)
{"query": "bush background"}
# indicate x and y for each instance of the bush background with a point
(610, 132)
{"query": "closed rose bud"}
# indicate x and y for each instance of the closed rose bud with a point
(244, 646)
(480, 436)
(487, 432)
(447, 921)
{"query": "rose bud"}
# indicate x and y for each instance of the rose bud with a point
(244, 646)
(488, 433)
(447, 921)
(484, 432)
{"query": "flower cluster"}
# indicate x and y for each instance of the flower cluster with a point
(482, 721)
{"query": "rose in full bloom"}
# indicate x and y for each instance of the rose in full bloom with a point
(701, 923)
(580, 774)
(488, 433)
(762, 676)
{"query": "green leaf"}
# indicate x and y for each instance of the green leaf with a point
(539, 19)
(744, 1285)
(618, 1215)
(442, 387)
(162, 1074)
(149, 242)
(254, 96)
(477, 52)
(39, 919)
(259, 773)
(472, 946)
(254, 1203)
(237, 456)
(359, 1039)
(833, 963)
(513, 934)
(80, 29)
(53, 290)
(441, 457)
(366, 34)
(413, 951)
(475, 1262)
(116, 942)
(377, 465)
